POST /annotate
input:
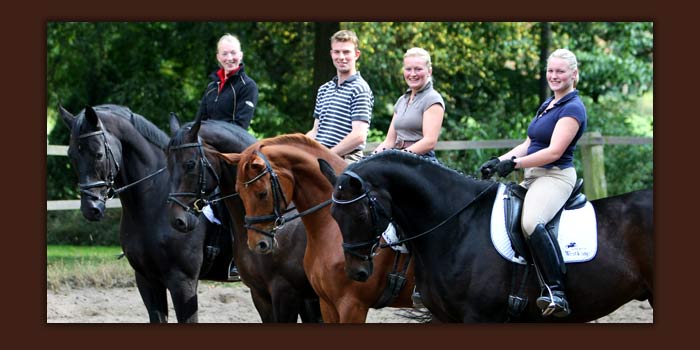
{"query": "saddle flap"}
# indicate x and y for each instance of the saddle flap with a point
(512, 205)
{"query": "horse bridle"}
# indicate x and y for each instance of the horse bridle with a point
(278, 217)
(376, 208)
(202, 197)
(109, 182)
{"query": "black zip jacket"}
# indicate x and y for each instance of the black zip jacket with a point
(235, 103)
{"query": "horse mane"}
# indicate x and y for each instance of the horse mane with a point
(290, 139)
(216, 125)
(146, 128)
(403, 157)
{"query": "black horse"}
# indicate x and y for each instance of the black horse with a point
(444, 217)
(116, 151)
(278, 284)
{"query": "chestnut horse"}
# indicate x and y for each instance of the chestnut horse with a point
(275, 171)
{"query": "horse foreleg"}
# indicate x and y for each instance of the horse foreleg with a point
(263, 304)
(353, 312)
(154, 297)
(183, 292)
(329, 312)
(286, 303)
(310, 311)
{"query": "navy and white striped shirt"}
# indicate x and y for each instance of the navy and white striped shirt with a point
(337, 106)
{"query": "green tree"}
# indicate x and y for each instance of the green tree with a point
(489, 74)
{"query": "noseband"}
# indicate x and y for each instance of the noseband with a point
(109, 182)
(202, 197)
(375, 209)
(278, 216)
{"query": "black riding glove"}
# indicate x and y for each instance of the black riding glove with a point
(505, 167)
(487, 168)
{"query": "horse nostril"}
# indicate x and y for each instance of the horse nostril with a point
(93, 214)
(180, 225)
(362, 276)
(263, 246)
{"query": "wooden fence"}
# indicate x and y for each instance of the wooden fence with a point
(591, 145)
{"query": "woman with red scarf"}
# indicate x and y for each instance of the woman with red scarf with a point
(231, 95)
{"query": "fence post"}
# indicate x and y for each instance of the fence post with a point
(595, 186)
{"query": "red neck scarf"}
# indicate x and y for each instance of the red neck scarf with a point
(223, 76)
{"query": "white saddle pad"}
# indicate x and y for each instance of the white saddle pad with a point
(578, 238)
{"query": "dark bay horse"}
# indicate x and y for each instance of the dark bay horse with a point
(279, 287)
(114, 150)
(276, 171)
(444, 219)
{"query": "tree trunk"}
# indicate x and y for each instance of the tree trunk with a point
(323, 65)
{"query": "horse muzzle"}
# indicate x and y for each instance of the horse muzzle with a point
(182, 220)
(358, 271)
(92, 209)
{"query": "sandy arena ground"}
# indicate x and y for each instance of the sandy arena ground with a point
(225, 304)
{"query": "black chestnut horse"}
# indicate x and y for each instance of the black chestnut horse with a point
(116, 151)
(444, 219)
(279, 287)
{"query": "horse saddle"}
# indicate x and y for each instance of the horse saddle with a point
(579, 241)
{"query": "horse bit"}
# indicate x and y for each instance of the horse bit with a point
(202, 198)
(277, 217)
(109, 183)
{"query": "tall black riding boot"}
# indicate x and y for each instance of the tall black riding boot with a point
(547, 256)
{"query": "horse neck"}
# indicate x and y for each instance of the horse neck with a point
(140, 158)
(311, 188)
(301, 164)
(234, 205)
(434, 190)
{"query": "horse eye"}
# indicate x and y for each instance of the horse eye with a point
(99, 155)
(262, 194)
(189, 165)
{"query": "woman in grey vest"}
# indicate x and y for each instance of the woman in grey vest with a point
(418, 113)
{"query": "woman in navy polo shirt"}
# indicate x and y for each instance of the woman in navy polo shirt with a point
(547, 157)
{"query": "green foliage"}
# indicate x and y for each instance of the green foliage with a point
(487, 72)
(69, 227)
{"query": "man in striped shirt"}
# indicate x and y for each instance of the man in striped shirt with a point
(343, 105)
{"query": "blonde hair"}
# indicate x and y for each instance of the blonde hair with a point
(346, 35)
(570, 58)
(229, 37)
(419, 52)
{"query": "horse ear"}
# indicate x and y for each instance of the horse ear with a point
(355, 184)
(230, 158)
(91, 117)
(194, 129)
(174, 123)
(257, 164)
(68, 118)
(327, 171)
